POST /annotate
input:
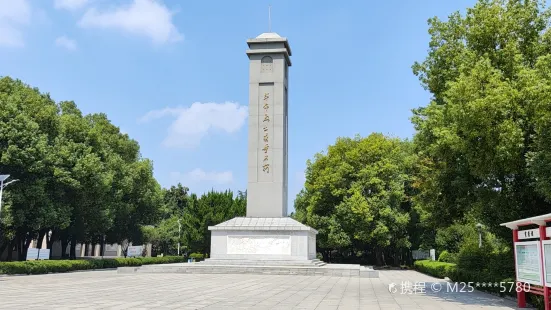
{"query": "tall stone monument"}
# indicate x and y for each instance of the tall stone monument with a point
(266, 233)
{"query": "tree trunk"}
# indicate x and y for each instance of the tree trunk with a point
(397, 258)
(23, 242)
(26, 243)
(41, 235)
(19, 246)
(102, 248)
(64, 238)
(72, 251)
(325, 255)
(3, 247)
(64, 245)
(378, 257)
(10, 249)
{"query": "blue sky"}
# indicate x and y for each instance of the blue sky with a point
(174, 74)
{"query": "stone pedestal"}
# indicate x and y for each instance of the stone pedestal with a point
(246, 238)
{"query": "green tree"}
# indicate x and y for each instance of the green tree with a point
(210, 209)
(483, 140)
(356, 196)
(79, 176)
(175, 200)
(28, 126)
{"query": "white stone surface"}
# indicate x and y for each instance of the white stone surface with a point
(268, 245)
(269, 35)
(262, 223)
(261, 232)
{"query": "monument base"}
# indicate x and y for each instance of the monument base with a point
(249, 245)
(262, 239)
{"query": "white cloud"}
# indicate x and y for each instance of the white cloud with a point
(13, 15)
(66, 43)
(150, 18)
(195, 122)
(70, 5)
(200, 176)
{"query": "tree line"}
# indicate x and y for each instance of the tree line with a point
(81, 180)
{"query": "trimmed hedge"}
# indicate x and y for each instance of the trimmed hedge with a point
(435, 269)
(456, 274)
(447, 257)
(56, 266)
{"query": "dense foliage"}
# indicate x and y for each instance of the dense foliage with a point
(84, 181)
(358, 197)
(483, 140)
(195, 214)
(79, 176)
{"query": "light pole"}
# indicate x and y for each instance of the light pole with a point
(479, 228)
(179, 231)
(3, 184)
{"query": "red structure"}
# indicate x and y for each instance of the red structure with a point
(522, 233)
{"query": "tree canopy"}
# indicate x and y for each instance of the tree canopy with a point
(80, 177)
(483, 140)
(357, 196)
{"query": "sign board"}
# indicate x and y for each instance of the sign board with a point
(432, 254)
(134, 251)
(528, 262)
(547, 261)
(529, 234)
(420, 254)
(44, 254)
(32, 254)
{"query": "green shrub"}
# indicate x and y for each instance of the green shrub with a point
(447, 257)
(435, 269)
(319, 256)
(474, 265)
(471, 257)
(197, 256)
(56, 266)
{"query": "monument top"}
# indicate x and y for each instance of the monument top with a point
(270, 43)
(269, 35)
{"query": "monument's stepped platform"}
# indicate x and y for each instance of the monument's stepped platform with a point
(263, 262)
(334, 270)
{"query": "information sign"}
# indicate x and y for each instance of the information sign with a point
(134, 251)
(528, 262)
(44, 254)
(547, 261)
(32, 254)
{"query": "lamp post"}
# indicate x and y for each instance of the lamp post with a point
(179, 231)
(3, 183)
(479, 228)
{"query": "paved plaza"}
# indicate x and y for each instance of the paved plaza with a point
(109, 290)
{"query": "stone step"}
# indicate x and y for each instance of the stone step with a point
(333, 270)
(264, 262)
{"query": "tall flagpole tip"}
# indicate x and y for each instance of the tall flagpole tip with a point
(269, 18)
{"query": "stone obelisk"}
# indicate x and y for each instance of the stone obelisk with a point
(267, 155)
(266, 233)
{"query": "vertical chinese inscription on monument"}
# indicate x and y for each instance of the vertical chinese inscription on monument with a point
(266, 133)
